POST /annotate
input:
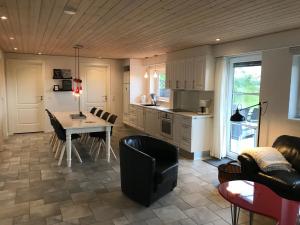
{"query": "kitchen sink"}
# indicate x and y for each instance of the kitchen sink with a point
(149, 105)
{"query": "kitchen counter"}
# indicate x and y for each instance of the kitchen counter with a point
(165, 109)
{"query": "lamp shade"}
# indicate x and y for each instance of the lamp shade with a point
(237, 117)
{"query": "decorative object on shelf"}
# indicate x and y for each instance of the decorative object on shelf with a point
(67, 85)
(237, 117)
(62, 74)
(77, 84)
(56, 88)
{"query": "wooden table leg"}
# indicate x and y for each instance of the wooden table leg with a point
(69, 148)
(108, 143)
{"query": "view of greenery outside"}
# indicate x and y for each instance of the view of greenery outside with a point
(163, 92)
(246, 86)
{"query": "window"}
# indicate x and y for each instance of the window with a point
(245, 76)
(158, 82)
(294, 101)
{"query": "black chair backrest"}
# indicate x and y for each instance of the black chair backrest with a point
(59, 130)
(105, 115)
(93, 110)
(99, 112)
(51, 116)
(112, 119)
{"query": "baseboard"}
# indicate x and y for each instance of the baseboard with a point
(194, 155)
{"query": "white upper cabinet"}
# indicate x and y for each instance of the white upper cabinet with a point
(195, 73)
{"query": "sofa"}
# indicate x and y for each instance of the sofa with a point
(286, 184)
(149, 168)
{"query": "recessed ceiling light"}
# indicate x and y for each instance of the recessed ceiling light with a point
(15, 49)
(3, 18)
(11, 38)
(218, 39)
(39, 53)
(69, 11)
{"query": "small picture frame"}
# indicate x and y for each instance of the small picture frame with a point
(56, 88)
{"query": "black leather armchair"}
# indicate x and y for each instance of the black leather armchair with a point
(284, 183)
(149, 168)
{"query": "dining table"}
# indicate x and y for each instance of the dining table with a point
(89, 124)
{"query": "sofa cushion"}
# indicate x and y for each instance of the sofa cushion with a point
(268, 159)
(164, 171)
(289, 147)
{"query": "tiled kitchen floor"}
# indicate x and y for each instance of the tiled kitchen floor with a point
(34, 190)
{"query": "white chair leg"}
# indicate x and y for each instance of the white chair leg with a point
(54, 145)
(98, 150)
(51, 138)
(62, 154)
(57, 147)
(76, 153)
(91, 148)
(112, 151)
(57, 150)
(110, 148)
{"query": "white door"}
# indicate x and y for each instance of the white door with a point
(25, 96)
(95, 87)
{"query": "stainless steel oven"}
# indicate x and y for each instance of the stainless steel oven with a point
(166, 124)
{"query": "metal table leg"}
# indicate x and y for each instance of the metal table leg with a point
(235, 213)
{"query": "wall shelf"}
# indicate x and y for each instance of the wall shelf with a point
(69, 78)
(62, 90)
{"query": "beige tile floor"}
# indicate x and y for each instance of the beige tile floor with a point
(34, 190)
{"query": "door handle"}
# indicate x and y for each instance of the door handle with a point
(105, 97)
(41, 97)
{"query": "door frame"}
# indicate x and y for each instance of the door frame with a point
(108, 79)
(10, 106)
(231, 61)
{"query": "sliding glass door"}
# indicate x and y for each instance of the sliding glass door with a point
(245, 74)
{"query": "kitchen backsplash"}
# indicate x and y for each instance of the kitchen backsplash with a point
(190, 100)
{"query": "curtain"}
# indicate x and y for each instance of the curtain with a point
(220, 109)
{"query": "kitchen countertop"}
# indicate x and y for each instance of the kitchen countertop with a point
(165, 109)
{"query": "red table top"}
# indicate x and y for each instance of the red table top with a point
(260, 199)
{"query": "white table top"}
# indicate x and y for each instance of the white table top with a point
(91, 121)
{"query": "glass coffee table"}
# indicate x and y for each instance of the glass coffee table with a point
(257, 198)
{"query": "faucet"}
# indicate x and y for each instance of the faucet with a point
(153, 99)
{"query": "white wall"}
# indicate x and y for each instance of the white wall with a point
(3, 122)
(64, 101)
(275, 88)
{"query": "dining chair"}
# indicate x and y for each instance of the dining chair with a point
(61, 134)
(53, 138)
(105, 115)
(99, 112)
(93, 110)
(101, 137)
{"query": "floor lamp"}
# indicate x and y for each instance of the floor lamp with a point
(237, 117)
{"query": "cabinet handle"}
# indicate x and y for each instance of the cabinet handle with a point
(177, 83)
(185, 84)
(193, 83)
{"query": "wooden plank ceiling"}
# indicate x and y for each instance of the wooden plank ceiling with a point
(137, 28)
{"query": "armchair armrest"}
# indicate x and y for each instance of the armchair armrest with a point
(248, 164)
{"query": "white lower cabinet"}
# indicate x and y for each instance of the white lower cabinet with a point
(152, 122)
(190, 133)
(136, 117)
(193, 134)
